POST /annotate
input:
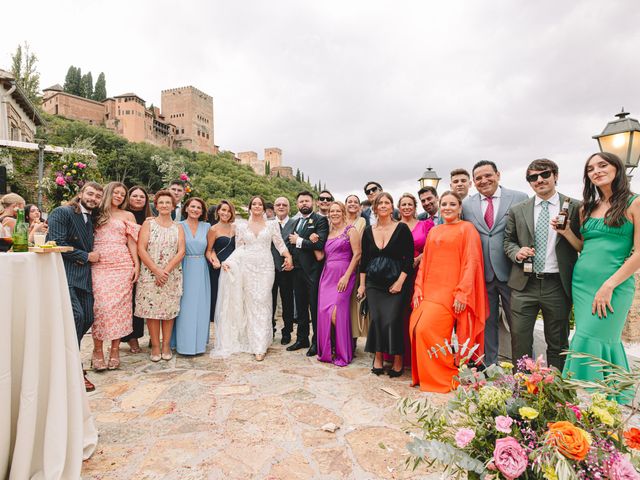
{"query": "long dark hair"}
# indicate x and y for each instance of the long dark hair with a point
(147, 204)
(620, 192)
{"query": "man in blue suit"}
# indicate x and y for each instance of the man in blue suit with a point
(488, 211)
(71, 225)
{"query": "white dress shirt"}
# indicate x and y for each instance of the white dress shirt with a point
(496, 203)
(85, 213)
(282, 222)
(551, 260)
(303, 218)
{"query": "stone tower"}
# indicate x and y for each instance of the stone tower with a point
(191, 111)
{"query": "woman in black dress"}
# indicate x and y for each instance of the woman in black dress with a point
(221, 243)
(137, 203)
(387, 261)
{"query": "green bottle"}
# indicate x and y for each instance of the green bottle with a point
(21, 234)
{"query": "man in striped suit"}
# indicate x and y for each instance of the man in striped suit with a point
(71, 225)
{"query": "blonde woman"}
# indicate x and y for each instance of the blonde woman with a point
(359, 316)
(113, 276)
(9, 206)
(337, 281)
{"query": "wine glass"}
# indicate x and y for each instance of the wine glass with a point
(6, 240)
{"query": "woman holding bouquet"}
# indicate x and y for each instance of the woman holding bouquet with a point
(449, 295)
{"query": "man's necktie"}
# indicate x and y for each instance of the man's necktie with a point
(542, 234)
(301, 225)
(488, 214)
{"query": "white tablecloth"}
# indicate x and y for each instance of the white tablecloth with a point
(46, 428)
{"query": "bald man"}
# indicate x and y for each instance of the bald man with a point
(283, 280)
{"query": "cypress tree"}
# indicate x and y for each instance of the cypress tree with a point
(87, 85)
(100, 90)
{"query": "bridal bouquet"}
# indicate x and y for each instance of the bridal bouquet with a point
(526, 422)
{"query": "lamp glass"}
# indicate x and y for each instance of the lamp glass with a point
(617, 144)
(429, 182)
(635, 150)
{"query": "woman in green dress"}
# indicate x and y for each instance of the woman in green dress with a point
(603, 283)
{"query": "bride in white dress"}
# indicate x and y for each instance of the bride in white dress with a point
(244, 307)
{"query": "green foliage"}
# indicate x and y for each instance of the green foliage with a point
(213, 177)
(267, 168)
(23, 69)
(100, 90)
(87, 85)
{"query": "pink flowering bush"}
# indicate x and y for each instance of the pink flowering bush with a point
(526, 422)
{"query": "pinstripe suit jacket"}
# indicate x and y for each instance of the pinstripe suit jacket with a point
(68, 228)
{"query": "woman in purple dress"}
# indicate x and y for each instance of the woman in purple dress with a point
(342, 254)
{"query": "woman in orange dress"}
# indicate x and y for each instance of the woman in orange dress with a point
(449, 294)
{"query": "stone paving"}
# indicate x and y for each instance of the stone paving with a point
(202, 418)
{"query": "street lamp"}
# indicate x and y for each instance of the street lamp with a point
(622, 138)
(429, 179)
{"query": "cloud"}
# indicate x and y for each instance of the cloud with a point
(365, 89)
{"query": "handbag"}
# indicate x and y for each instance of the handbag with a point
(383, 271)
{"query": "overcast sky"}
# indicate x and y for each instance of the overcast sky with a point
(359, 90)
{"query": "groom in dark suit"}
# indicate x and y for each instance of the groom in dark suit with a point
(309, 234)
(71, 225)
(530, 233)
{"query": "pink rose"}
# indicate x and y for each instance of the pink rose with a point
(81, 165)
(184, 177)
(621, 469)
(503, 424)
(510, 458)
(464, 436)
(60, 181)
(576, 410)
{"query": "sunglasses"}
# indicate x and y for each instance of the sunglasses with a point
(371, 190)
(325, 199)
(534, 176)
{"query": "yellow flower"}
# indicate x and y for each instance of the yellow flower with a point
(602, 414)
(528, 413)
(549, 472)
(506, 365)
(73, 171)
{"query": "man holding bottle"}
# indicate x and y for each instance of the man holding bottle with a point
(531, 241)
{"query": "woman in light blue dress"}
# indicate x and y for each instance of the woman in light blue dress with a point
(191, 330)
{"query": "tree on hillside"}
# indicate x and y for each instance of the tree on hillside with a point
(298, 175)
(100, 90)
(87, 85)
(73, 81)
(23, 69)
(267, 168)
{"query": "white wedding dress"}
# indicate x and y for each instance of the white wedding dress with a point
(244, 307)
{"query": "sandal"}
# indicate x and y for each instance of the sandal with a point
(97, 362)
(134, 346)
(114, 360)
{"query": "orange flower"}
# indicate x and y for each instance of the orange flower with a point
(571, 441)
(632, 436)
(531, 387)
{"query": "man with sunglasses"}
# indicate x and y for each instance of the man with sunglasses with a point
(487, 210)
(324, 200)
(371, 190)
(530, 233)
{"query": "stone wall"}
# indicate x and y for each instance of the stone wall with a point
(631, 331)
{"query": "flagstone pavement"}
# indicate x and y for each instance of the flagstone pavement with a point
(197, 418)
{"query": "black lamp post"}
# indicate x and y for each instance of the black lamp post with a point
(429, 179)
(622, 138)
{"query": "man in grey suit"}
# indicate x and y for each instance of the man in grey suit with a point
(283, 280)
(487, 210)
(71, 225)
(530, 233)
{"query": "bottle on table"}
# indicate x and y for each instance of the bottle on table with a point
(563, 216)
(21, 234)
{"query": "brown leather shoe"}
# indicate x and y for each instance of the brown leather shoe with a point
(88, 386)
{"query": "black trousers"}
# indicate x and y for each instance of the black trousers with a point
(305, 290)
(82, 306)
(138, 323)
(283, 282)
(544, 294)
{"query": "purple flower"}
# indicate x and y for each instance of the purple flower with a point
(510, 458)
(503, 424)
(622, 469)
(464, 436)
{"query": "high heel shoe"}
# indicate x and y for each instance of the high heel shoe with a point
(167, 356)
(114, 360)
(376, 371)
(396, 373)
(97, 363)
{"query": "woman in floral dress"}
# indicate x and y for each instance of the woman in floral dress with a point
(113, 275)
(161, 248)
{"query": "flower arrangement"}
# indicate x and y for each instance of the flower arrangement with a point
(70, 178)
(525, 422)
(187, 183)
